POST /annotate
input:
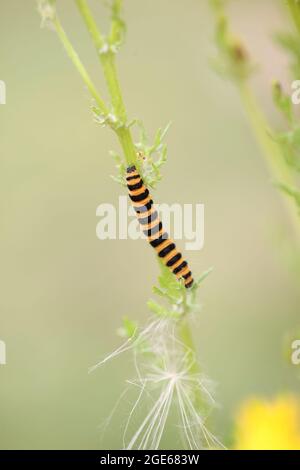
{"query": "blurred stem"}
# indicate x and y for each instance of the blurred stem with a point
(107, 60)
(270, 151)
(294, 7)
(79, 65)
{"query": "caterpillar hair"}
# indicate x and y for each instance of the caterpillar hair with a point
(153, 229)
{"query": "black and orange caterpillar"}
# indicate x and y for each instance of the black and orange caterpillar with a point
(153, 229)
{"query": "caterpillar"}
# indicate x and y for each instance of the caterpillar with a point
(153, 229)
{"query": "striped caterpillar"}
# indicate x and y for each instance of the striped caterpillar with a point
(153, 229)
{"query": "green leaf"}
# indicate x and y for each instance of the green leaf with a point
(128, 328)
(159, 310)
(203, 277)
(153, 155)
(121, 168)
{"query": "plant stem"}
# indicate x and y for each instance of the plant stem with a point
(79, 65)
(106, 57)
(107, 60)
(192, 362)
(270, 150)
(187, 339)
(126, 142)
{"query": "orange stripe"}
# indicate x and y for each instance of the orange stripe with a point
(141, 215)
(184, 271)
(163, 245)
(151, 225)
(136, 192)
(170, 256)
(178, 263)
(189, 279)
(135, 181)
(178, 275)
(142, 203)
(132, 173)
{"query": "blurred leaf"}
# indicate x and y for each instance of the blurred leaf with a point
(291, 43)
(290, 146)
(292, 192)
(203, 277)
(233, 61)
(128, 329)
(283, 101)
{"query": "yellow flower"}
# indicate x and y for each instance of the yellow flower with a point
(269, 425)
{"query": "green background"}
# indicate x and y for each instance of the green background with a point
(63, 291)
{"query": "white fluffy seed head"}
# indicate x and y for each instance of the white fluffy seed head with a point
(165, 383)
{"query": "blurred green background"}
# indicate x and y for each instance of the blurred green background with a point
(63, 291)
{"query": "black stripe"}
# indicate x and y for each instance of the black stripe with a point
(174, 259)
(189, 284)
(144, 208)
(129, 178)
(149, 219)
(166, 250)
(185, 276)
(180, 267)
(138, 185)
(140, 197)
(153, 230)
(159, 240)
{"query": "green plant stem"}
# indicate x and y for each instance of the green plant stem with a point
(187, 339)
(79, 65)
(106, 57)
(192, 362)
(271, 152)
(294, 7)
(107, 60)
(126, 142)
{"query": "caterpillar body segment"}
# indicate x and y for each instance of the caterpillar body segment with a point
(153, 229)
